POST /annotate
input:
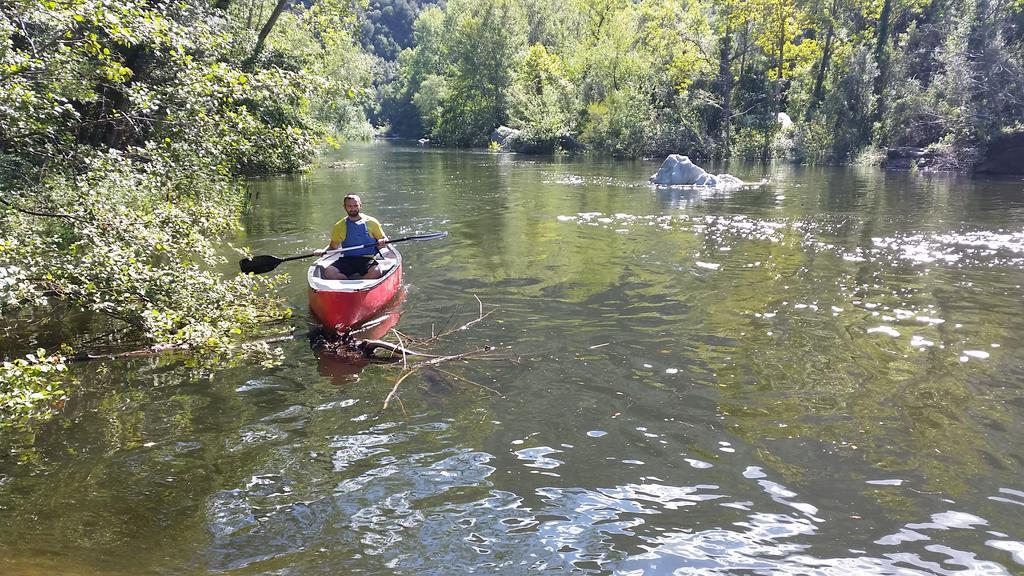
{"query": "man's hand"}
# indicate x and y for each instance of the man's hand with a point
(382, 242)
(319, 252)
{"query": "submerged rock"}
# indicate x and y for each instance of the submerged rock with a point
(343, 164)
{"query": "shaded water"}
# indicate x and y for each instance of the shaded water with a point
(819, 376)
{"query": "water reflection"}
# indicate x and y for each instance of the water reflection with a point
(344, 367)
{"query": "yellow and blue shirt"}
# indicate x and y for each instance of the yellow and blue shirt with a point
(347, 233)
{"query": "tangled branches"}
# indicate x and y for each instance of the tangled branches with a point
(408, 354)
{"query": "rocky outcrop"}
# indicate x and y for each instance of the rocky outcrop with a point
(946, 158)
(1005, 155)
(908, 158)
(508, 139)
(505, 137)
(678, 170)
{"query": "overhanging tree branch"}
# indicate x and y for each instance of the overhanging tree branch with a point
(40, 213)
(264, 32)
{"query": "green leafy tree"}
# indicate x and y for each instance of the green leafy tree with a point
(398, 107)
(485, 37)
(543, 102)
(123, 128)
(711, 77)
(386, 26)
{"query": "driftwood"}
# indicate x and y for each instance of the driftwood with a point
(160, 349)
(347, 345)
(411, 358)
(442, 334)
(432, 363)
(369, 348)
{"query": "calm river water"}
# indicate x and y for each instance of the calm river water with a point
(822, 375)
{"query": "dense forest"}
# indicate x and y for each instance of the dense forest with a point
(126, 126)
(386, 26)
(809, 80)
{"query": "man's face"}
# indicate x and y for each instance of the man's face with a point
(352, 207)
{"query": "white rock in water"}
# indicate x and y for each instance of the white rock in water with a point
(678, 170)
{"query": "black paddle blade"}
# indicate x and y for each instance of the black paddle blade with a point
(259, 264)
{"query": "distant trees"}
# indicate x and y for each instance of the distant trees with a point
(386, 26)
(710, 77)
(542, 99)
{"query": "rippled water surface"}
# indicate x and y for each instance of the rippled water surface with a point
(822, 375)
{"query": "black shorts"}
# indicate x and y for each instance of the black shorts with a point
(354, 265)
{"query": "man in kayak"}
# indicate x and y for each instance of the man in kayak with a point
(354, 230)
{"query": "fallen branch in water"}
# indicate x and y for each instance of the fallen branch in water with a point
(394, 389)
(384, 352)
(347, 344)
(369, 348)
(158, 349)
(432, 363)
(450, 331)
(405, 357)
(441, 359)
(468, 381)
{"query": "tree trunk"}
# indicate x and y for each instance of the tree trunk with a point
(883, 29)
(882, 60)
(746, 41)
(262, 38)
(782, 47)
(222, 5)
(725, 81)
(777, 87)
(818, 93)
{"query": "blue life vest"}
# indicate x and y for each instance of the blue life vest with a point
(356, 234)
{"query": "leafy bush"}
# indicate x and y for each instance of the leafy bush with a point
(542, 101)
(620, 124)
(120, 148)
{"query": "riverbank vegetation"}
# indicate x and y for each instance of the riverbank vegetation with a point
(125, 127)
(814, 81)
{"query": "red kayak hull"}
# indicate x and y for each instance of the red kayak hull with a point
(341, 309)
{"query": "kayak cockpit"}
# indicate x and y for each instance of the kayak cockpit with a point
(388, 259)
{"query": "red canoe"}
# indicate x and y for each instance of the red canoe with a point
(342, 304)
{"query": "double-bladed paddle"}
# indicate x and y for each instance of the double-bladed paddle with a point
(266, 263)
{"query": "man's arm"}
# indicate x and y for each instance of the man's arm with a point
(375, 230)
